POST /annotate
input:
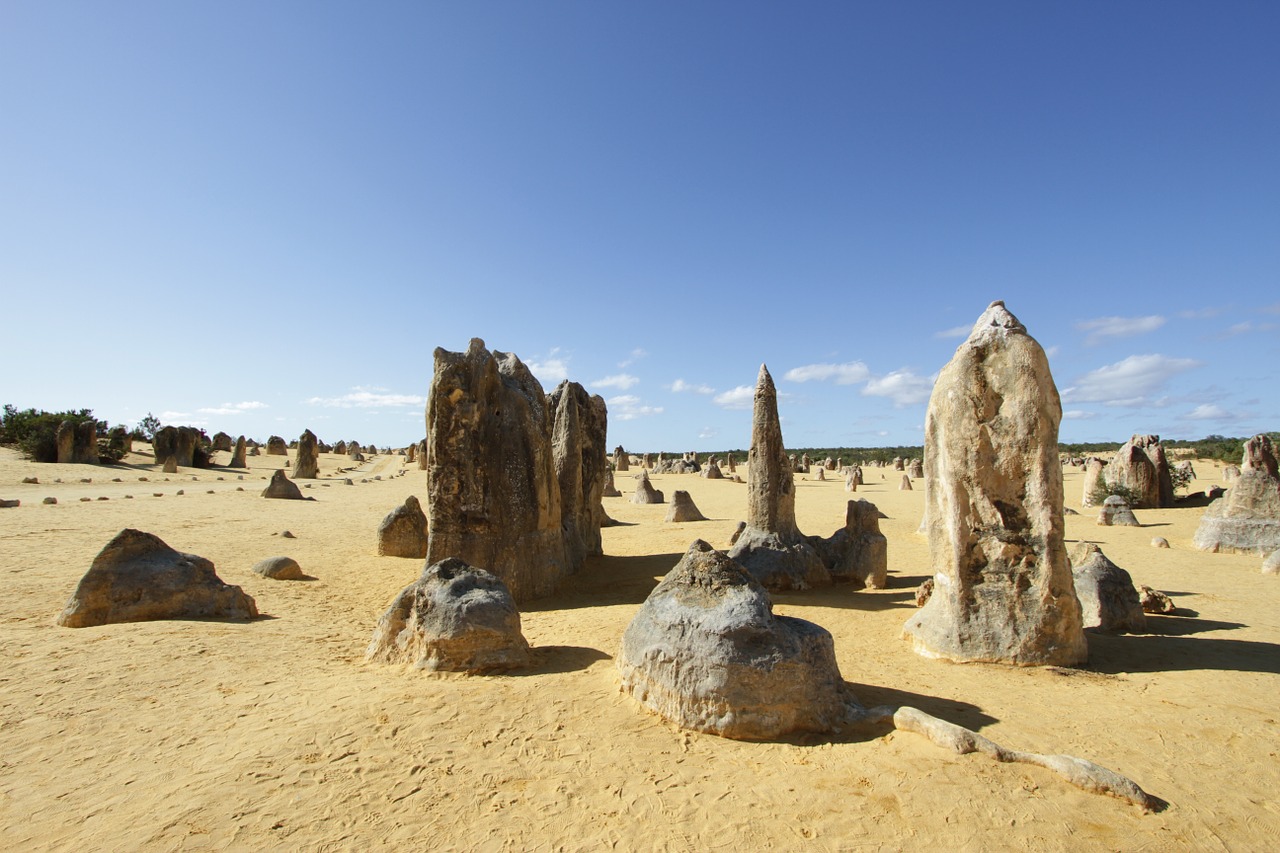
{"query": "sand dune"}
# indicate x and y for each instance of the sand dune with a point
(275, 734)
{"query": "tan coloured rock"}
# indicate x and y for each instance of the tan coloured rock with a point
(403, 533)
(683, 508)
(1003, 588)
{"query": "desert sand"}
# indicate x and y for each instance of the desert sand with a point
(275, 734)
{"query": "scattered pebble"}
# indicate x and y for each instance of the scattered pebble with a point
(32, 480)
(1159, 542)
(6, 504)
(209, 492)
(180, 492)
(103, 498)
(239, 488)
(128, 497)
(142, 479)
(50, 501)
(86, 479)
(157, 494)
(85, 500)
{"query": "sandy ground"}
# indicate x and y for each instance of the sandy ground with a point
(276, 734)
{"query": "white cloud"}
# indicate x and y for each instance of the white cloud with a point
(551, 370)
(1208, 412)
(903, 387)
(844, 374)
(1051, 352)
(636, 355)
(1078, 415)
(233, 408)
(680, 386)
(742, 397)
(1247, 327)
(1118, 327)
(182, 419)
(708, 432)
(362, 397)
(628, 407)
(621, 381)
(954, 332)
(1200, 313)
(1129, 382)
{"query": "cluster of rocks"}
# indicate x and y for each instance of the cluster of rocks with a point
(1140, 467)
(1247, 517)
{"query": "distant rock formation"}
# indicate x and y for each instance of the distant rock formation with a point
(645, 493)
(993, 494)
(683, 508)
(221, 441)
(306, 464)
(238, 455)
(1141, 467)
(178, 442)
(77, 442)
(138, 578)
(1247, 517)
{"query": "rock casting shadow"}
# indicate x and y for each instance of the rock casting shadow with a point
(548, 660)
(1162, 653)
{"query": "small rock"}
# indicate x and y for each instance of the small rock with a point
(128, 497)
(7, 504)
(32, 480)
(279, 568)
(1159, 542)
(86, 479)
(142, 479)
(1155, 601)
(924, 592)
(85, 500)
(1271, 565)
(209, 492)
(239, 488)
(285, 534)
(50, 501)
(104, 498)
(157, 494)
(180, 492)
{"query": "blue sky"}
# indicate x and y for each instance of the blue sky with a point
(261, 218)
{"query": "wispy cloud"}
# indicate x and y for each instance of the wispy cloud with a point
(621, 381)
(551, 370)
(1271, 309)
(708, 432)
(1129, 382)
(1247, 327)
(1208, 412)
(628, 407)
(1078, 415)
(680, 386)
(1200, 313)
(954, 332)
(182, 419)
(636, 355)
(364, 397)
(847, 373)
(233, 408)
(903, 387)
(1102, 328)
(742, 397)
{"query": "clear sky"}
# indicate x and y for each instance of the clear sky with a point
(264, 217)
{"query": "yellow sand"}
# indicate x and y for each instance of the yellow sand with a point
(276, 735)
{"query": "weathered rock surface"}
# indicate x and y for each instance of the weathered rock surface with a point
(706, 652)
(645, 493)
(282, 487)
(772, 548)
(737, 533)
(1155, 601)
(905, 485)
(621, 461)
(280, 569)
(609, 490)
(1115, 512)
(238, 455)
(1109, 602)
(683, 508)
(579, 457)
(493, 496)
(857, 552)
(178, 442)
(403, 533)
(1247, 517)
(453, 618)
(276, 446)
(1271, 565)
(138, 578)
(993, 495)
(1140, 466)
(77, 443)
(306, 465)
(221, 441)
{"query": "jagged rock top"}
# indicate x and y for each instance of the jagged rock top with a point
(996, 322)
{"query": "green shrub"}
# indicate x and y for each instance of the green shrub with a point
(35, 432)
(1103, 490)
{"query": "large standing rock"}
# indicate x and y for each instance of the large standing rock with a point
(340, 448)
(857, 552)
(706, 652)
(915, 470)
(712, 471)
(77, 442)
(137, 578)
(683, 508)
(645, 493)
(423, 460)
(403, 533)
(610, 490)
(238, 455)
(276, 446)
(454, 618)
(772, 548)
(282, 487)
(993, 495)
(307, 464)
(493, 498)
(1247, 517)
(178, 442)
(1140, 466)
(1108, 599)
(621, 461)
(579, 455)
